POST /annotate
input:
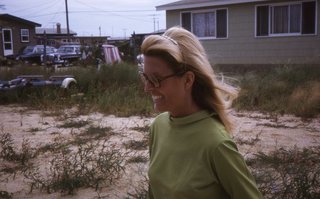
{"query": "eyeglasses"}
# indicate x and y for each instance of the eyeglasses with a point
(155, 81)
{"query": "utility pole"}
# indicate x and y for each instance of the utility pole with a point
(125, 32)
(100, 31)
(44, 60)
(154, 23)
(67, 17)
(158, 24)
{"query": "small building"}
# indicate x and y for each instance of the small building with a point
(56, 36)
(139, 37)
(15, 34)
(92, 40)
(251, 31)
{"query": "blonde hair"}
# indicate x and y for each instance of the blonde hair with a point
(182, 50)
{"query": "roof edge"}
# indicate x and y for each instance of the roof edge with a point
(20, 19)
(204, 4)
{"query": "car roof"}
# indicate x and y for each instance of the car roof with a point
(39, 46)
(70, 45)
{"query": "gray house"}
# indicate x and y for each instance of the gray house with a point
(251, 31)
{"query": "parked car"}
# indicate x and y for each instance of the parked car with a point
(34, 53)
(63, 81)
(65, 54)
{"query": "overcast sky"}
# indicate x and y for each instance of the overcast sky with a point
(116, 18)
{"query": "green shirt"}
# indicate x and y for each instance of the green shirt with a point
(194, 157)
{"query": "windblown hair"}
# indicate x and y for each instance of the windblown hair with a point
(183, 51)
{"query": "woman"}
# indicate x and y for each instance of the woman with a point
(191, 152)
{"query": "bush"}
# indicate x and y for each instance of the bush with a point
(137, 145)
(281, 89)
(10, 153)
(91, 165)
(287, 174)
(115, 89)
(74, 124)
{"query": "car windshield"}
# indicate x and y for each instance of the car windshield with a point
(39, 49)
(64, 49)
(50, 50)
(28, 49)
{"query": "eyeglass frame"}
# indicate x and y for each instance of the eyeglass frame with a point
(146, 79)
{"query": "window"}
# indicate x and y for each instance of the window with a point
(262, 20)
(286, 19)
(24, 35)
(186, 20)
(309, 17)
(206, 24)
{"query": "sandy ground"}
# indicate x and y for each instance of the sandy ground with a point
(255, 132)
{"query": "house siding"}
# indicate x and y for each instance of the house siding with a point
(16, 35)
(242, 47)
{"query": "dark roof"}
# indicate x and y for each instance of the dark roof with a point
(183, 4)
(157, 32)
(92, 37)
(14, 18)
(53, 31)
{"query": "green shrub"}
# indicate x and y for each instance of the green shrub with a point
(91, 165)
(74, 124)
(115, 89)
(10, 153)
(137, 145)
(281, 89)
(287, 174)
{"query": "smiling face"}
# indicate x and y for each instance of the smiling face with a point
(173, 94)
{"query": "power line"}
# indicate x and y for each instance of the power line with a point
(89, 11)
(95, 13)
(99, 9)
(54, 16)
(44, 6)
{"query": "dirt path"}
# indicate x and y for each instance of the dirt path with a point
(255, 132)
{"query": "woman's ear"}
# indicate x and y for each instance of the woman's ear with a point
(189, 79)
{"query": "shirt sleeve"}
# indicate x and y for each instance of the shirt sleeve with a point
(150, 194)
(233, 172)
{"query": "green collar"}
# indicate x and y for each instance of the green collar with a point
(197, 116)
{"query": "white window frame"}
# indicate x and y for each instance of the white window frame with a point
(272, 17)
(285, 34)
(22, 35)
(7, 52)
(206, 11)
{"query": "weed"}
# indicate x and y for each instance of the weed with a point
(275, 125)
(106, 91)
(32, 130)
(5, 195)
(117, 90)
(74, 124)
(141, 128)
(97, 132)
(91, 165)
(249, 142)
(138, 159)
(286, 174)
(137, 145)
(281, 89)
(52, 147)
(9, 153)
(7, 150)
